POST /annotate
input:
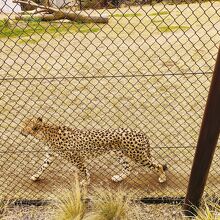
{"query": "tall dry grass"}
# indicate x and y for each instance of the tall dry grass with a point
(105, 204)
(70, 203)
(110, 205)
(209, 211)
(3, 208)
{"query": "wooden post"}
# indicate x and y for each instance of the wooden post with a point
(206, 145)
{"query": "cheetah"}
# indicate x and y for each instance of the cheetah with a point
(78, 145)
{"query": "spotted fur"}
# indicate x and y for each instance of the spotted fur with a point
(77, 145)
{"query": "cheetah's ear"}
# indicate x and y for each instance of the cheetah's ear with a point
(40, 119)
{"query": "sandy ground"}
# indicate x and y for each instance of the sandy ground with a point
(128, 74)
(15, 182)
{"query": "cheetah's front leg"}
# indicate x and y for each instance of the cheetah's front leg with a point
(160, 169)
(48, 160)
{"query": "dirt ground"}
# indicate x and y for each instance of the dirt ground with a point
(129, 74)
(15, 182)
(144, 212)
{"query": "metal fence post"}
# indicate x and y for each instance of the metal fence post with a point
(206, 145)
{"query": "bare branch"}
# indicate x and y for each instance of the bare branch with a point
(35, 11)
(67, 14)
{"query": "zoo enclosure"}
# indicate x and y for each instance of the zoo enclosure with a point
(148, 69)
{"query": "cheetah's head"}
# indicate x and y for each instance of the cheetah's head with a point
(31, 126)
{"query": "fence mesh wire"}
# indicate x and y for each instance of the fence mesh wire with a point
(149, 69)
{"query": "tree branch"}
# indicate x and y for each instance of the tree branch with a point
(66, 14)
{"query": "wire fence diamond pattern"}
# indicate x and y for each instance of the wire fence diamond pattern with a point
(148, 69)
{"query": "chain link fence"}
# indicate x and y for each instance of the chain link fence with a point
(148, 68)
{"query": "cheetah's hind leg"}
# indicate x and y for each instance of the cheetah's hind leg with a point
(126, 167)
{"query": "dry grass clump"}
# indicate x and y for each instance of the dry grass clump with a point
(209, 211)
(70, 205)
(109, 205)
(3, 208)
(105, 204)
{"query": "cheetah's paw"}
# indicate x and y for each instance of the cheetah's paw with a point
(34, 178)
(118, 178)
(162, 179)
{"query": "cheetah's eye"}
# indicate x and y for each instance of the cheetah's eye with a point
(35, 128)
